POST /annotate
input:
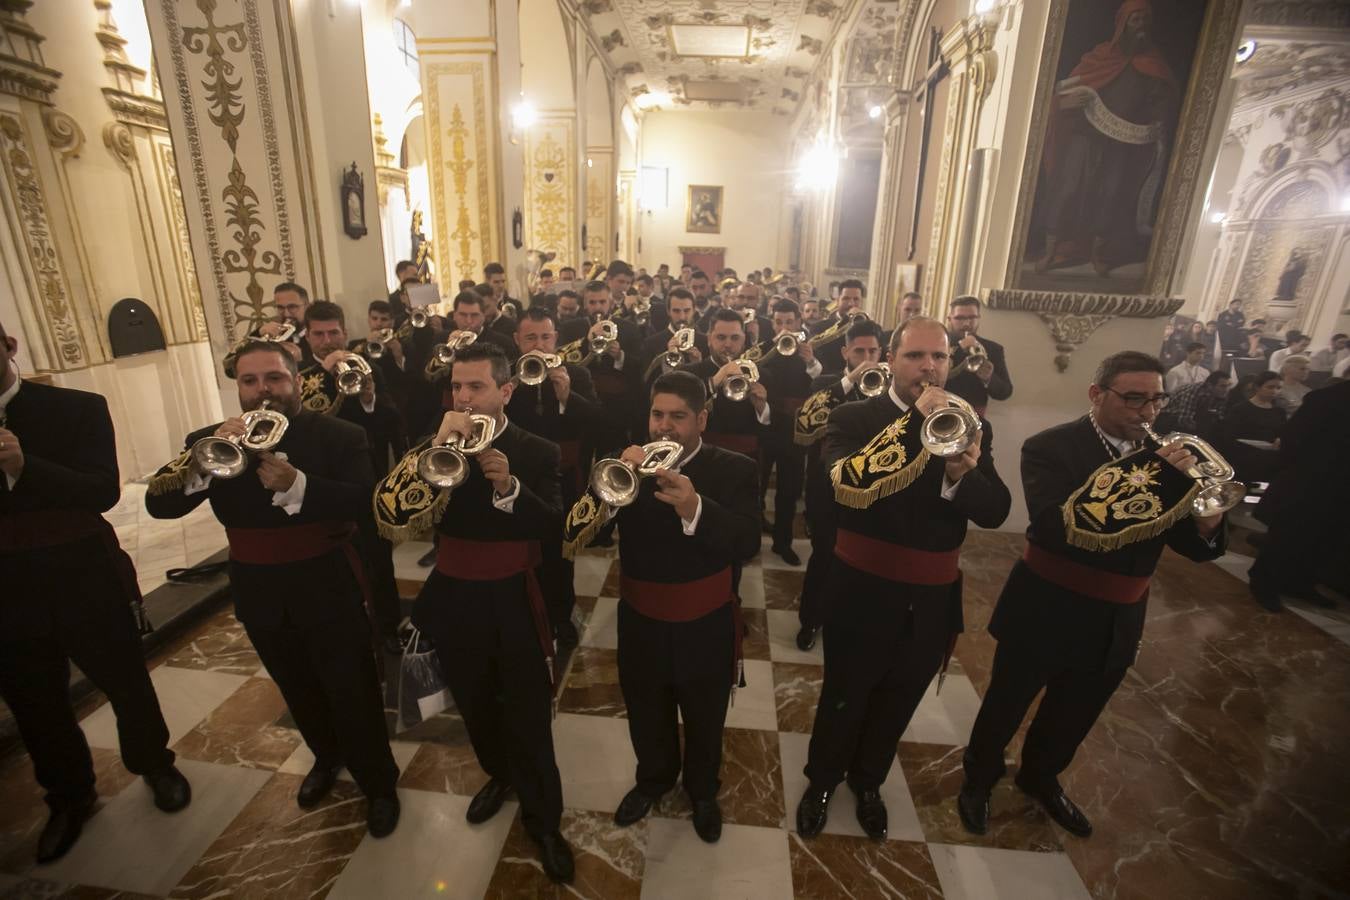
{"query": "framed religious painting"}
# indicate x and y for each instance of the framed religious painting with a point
(353, 203)
(1125, 103)
(703, 213)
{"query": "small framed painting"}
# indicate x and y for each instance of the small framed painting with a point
(703, 215)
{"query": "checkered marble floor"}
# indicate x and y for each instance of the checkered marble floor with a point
(244, 836)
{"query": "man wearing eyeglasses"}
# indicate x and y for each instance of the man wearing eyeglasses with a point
(986, 381)
(1102, 507)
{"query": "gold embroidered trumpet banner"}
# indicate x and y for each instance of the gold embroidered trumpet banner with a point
(888, 463)
(318, 392)
(171, 476)
(406, 506)
(583, 521)
(1127, 500)
(809, 425)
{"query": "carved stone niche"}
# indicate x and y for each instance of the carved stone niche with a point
(1073, 317)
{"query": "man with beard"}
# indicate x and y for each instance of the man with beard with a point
(691, 526)
(290, 300)
(569, 305)
(989, 379)
(736, 425)
(616, 371)
(482, 606)
(911, 305)
(290, 517)
(680, 311)
(830, 350)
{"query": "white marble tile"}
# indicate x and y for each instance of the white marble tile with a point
(783, 628)
(945, 718)
(747, 863)
(595, 756)
(902, 819)
(432, 853)
(752, 587)
(602, 629)
(589, 574)
(186, 696)
(771, 560)
(985, 873)
(301, 759)
(130, 845)
(406, 556)
(754, 705)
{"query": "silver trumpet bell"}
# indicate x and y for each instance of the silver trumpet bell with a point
(737, 387)
(609, 333)
(352, 374)
(287, 333)
(874, 382)
(1218, 491)
(950, 430)
(227, 457)
(458, 340)
(786, 343)
(447, 465)
(975, 358)
(616, 482)
(532, 368)
(377, 342)
(419, 317)
(684, 342)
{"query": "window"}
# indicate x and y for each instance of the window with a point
(406, 44)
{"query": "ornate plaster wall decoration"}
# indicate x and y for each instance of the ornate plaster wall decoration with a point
(1308, 13)
(182, 242)
(459, 165)
(1312, 124)
(549, 188)
(1282, 66)
(1073, 317)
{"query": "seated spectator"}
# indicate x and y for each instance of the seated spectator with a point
(1255, 348)
(1197, 408)
(1256, 418)
(1296, 343)
(1326, 360)
(1294, 374)
(1188, 371)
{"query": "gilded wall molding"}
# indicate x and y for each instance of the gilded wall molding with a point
(23, 72)
(1073, 317)
(550, 188)
(599, 204)
(117, 137)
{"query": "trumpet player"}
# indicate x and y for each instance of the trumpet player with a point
(862, 354)
(830, 351)
(615, 370)
(290, 300)
(680, 315)
(68, 594)
(685, 534)
(482, 605)
(736, 425)
(563, 410)
(295, 575)
(979, 367)
(894, 607)
(1071, 614)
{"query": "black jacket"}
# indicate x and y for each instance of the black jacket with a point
(70, 452)
(1070, 628)
(969, 387)
(726, 416)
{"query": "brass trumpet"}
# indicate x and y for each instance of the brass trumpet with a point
(949, 431)
(975, 357)
(616, 482)
(227, 457)
(1218, 491)
(737, 387)
(458, 340)
(874, 382)
(684, 342)
(532, 368)
(352, 374)
(447, 465)
(377, 342)
(420, 317)
(287, 333)
(609, 333)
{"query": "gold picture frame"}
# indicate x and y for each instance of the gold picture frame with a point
(703, 209)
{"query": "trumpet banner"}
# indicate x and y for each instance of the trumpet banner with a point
(809, 426)
(406, 507)
(1127, 500)
(886, 464)
(583, 521)
(172, 476)
(318, 391)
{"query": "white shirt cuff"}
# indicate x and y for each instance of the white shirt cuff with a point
(291, 500)
(618, 362)
(10, 480)
(813, 368)
(562, 406)
(196, 483)
(507, 502)
(949, 488)
(691, 525)
(763, 415)
(846, 384)
(368, 407)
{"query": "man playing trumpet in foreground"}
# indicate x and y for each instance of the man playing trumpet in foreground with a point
(688, 517)
(910, 468)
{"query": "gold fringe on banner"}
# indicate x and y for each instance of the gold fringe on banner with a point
(406, 507)
(1116, 495)
(583, 521)
(812, 418)
(879, 469)
(172, 476)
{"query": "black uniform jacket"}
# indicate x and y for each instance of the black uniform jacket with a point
(655, 345)
(788, 385)
(726, 416)
(335, 458)
(1077, 631)
(536, 516)
(969, 387)
(535, 409)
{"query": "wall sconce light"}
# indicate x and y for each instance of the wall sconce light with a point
(818, 168)
(523, 115)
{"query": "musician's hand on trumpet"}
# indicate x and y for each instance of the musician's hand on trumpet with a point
(931, 400)
(602, 329)
(562, 383)
(11, 454)
(496, 468)
(963, 462)
(275, 473)
(231, 428)
(1179, 456)
(678, 491)
(460, 423)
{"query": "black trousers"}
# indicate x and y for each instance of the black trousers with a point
(556, 577)
(326, 672)
(490, 655)
(882, 649)
(823, 517)
(780, 452)
(1073, 700)
(384, 600)
(1295, 551)
(671, 669)
(62, 604)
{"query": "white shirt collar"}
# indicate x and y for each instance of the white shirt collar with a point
(895, 398)
(684, 462)
(10, 392)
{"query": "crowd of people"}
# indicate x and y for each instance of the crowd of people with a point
(651, 410)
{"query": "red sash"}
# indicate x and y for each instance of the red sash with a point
(1086, 580)
(685, 601)
(493, 561)
(34, 529)
(747, 444)
(895, 562)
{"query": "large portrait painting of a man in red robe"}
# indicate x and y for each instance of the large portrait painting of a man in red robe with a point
(1119, 86)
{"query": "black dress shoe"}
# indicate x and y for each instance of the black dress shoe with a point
(487, 801)
(1268, 599)
(171, 789)
(708, 820)
(788, 555)
(633, 808)
(806, 637)
(1060, 807)
(566, 636)
(382, 815)
(317, 784)
(813, 810)
(556, 857)
(872, 815)
(973, 807)
(426, 560)
(63, 830)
